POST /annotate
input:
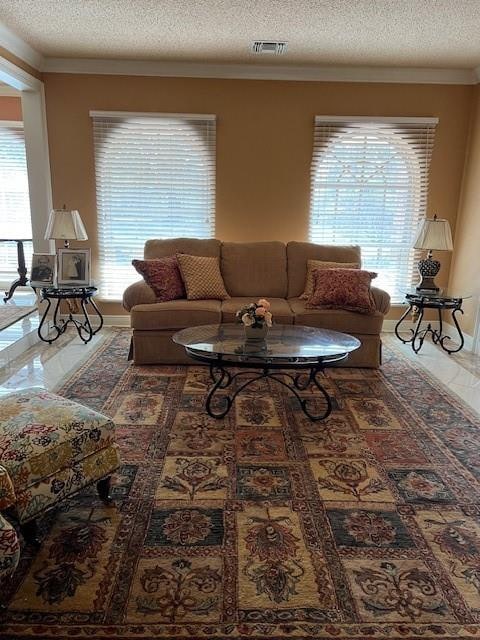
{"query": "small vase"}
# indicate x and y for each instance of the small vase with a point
(256, 334)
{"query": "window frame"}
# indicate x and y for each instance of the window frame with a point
(204, 155)
(11, 247)
(401, 131)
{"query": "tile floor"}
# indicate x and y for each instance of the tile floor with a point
(49, 366)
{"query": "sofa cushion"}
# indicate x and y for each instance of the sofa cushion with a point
(298, 253)
(163, 276)
(280, 309)
(171, 246)
(321, 264)
(201, 277)
(255, 269)
(347, 289)
(336, 319)
(176, 314)
(41, 433)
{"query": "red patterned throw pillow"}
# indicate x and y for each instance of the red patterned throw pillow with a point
(163, 276)
(342, 289)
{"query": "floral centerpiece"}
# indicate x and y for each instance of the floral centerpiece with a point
(256, 317)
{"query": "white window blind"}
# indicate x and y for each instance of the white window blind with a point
(155, 177)
(15, 220)
(369, 186)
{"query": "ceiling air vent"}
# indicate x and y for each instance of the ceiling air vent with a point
(269, 46)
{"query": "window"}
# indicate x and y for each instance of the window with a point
(369, 187)
(155, 177)
(15, 220)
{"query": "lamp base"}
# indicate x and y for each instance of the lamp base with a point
(428, 269)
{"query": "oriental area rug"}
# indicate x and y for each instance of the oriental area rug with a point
(264, 524)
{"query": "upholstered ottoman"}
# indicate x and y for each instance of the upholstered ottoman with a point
(50, 448)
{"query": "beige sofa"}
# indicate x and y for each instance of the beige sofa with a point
(271, 270)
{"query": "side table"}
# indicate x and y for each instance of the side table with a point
(84, 328)
(442, 300)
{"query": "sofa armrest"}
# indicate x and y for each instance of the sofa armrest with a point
(381, 299)
(138, 293)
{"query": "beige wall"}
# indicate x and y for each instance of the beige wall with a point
(10, 108)
(465, 271)
(264, 141)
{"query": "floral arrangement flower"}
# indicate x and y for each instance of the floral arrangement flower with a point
(255, 314)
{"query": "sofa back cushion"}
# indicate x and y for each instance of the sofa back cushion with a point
(298, 253)
(171, 246)
(255, 269)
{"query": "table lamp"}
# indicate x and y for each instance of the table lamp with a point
(65, 225)
(433, 234)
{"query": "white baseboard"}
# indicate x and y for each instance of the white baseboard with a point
(108, 320)
(117, 321)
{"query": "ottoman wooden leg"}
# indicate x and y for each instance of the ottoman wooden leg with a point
(103, 488)
(29, 531)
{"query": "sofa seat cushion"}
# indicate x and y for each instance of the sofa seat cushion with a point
(336, 319)
(280, 309)
(176, 314)
(42, 433)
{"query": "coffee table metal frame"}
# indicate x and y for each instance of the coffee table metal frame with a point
(223, 379)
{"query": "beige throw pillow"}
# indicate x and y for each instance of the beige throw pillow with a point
(322, 264)
(201, 277)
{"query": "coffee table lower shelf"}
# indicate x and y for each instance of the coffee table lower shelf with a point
(223, 379)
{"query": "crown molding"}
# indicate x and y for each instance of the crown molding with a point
(13, 43)
(17, 78)
(405, 75)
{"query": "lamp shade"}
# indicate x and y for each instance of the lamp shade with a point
(65, 225)
(434, 234)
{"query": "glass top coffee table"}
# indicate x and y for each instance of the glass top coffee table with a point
(287, 347)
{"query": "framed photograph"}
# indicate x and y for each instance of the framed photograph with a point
(42, 273)
(73, 268)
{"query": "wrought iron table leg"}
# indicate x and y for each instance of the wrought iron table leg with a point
(419, 334)
(397, 326)
(22, 272)
(42, 322)
(97, 311)
(460, 334)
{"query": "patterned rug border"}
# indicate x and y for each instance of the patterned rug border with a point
(433, 381)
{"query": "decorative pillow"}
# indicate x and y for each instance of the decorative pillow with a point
(342, 289)
(163, 276)
(202, 277)
(321, 264)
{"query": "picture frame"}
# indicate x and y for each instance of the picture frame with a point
(43, 270)
(73, 267)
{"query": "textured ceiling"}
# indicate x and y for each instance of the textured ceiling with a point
(420, 33)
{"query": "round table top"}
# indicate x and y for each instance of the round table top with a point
(283, 342)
